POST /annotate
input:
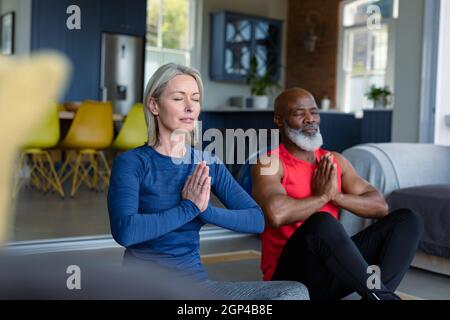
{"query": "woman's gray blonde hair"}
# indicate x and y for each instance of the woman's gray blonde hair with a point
(154, 88)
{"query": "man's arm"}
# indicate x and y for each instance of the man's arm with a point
(358, 196)
(280, 209)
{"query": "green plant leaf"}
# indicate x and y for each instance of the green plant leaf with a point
(260, 85)
(376, 93)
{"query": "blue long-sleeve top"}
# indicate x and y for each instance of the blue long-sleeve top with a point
(149, 217)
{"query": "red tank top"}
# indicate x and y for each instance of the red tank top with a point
(297, 183)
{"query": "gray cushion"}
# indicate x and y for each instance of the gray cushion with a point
(391, 166)
(432, 202)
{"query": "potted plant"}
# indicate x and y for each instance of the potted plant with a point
(260, 85)
(379, 95)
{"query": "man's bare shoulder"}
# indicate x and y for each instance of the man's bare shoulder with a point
(342, 161)
(336, 154)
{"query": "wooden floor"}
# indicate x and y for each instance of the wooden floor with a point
(230, 256)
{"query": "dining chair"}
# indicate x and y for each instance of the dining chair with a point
(89, 134)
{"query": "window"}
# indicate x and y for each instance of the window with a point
(170, 25)
(366, 50)
(442, 115)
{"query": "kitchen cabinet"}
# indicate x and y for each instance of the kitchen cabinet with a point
(340, 130)
(376, 126)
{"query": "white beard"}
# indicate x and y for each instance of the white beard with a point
(304, 141)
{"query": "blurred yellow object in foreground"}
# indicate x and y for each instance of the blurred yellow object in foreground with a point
(29, 88)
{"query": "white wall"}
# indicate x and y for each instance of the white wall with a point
(408, 65)
(22, 36)
(442, 131)
(218, 93)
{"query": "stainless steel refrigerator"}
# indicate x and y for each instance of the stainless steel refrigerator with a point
(122, 70)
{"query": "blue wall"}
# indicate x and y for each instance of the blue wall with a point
(83, 46)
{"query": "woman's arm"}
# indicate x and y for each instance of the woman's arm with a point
(128, 227)
(242, 213)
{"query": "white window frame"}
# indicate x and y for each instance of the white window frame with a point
(442, 115)
(192, 52)
(341, 74)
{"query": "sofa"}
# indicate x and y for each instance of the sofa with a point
(410, 175)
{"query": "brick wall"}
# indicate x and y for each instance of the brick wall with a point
(314, 71)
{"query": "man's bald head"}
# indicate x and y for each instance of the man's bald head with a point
(296, 113)
(289, 97)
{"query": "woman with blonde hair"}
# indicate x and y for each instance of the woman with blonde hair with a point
(159, 193)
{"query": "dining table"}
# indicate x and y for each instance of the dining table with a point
(70, 115)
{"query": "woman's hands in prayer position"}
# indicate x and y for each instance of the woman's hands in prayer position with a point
(197, 187)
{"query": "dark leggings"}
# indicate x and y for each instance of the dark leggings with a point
(332, 265)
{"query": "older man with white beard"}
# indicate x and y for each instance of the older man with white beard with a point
(303, 239)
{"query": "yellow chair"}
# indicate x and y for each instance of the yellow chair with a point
(42, 170)
(90, 132)
(61, 107)
(134, 130)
